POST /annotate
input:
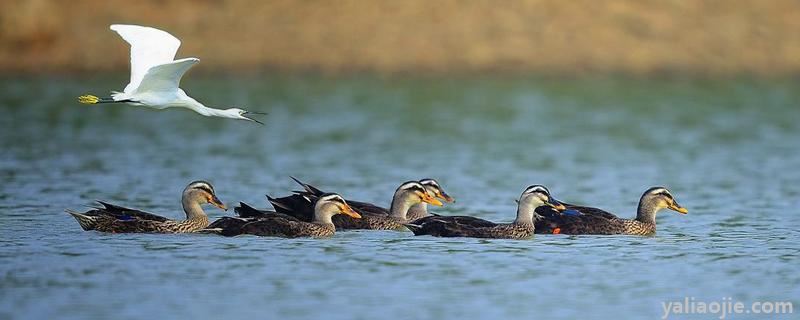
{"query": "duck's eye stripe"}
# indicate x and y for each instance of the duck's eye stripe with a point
(204, 188)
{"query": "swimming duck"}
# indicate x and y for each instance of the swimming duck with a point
(117, 219)
(232, 226)
(420, 210)
(406, 196)
(596, 221)
(465, 226)
(268, 223)
(416, 211)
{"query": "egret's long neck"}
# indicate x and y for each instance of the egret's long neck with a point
(525, 210)
(200, 108)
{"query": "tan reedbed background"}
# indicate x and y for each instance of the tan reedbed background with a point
(541, 36)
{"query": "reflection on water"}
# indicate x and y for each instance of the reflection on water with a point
(727, 149)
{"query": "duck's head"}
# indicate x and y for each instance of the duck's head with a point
(202, 192)
(657, 198)
(333, 204)
(236, 113)
(413, 192)
(436, 190)
(538, 195)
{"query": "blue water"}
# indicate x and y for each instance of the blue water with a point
(727, 149)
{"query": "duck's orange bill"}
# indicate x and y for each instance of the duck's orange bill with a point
(678, 208)
(444, 196)
(557, 231)
(429, 199)
(556, 205)
(217, 203)
(346, 209)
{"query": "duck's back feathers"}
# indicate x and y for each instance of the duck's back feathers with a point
(466, 226)
(228, 226)
(368, 222)
(366, 208)
(246, 211)
(589, 220)
(123, 213)
(281, 226)
(597, 212)
(299, 206)
(233, 226)
(117, 219)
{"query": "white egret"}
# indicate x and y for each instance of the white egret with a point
(155, 77)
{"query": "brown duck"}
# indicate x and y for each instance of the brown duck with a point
(408, 195)
(465, 226)
(117, 219)
(588, 220)
(270, 223)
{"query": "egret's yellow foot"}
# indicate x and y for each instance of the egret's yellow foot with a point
(88, 99)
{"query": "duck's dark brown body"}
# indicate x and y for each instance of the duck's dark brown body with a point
(466, 226)
(117, 219)
(301, 206)
(269, 223)
(589, 221)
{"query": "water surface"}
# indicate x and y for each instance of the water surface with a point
(727, 149)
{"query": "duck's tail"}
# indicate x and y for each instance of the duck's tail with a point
(413, 227)
(309, 188)
(87, 222)
(279, 204)
(246, 211)
(210, 230)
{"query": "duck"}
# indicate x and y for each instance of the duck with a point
(466, 226)
(275, 224)
(117, 219)
(406, 196)
(416, 211)
(420, 210)
(590, 220)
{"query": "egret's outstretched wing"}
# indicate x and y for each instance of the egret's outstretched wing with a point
(166, 77)
(149, 47)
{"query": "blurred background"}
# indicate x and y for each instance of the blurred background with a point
(598, 100)
(712, 37)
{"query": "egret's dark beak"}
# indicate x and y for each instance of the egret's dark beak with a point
(251, 119)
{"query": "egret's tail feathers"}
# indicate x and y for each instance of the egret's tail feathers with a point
(119, 96)
(87, 222)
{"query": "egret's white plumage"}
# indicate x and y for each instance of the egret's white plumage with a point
(156, 76)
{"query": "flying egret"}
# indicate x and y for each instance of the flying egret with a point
(155, 77)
